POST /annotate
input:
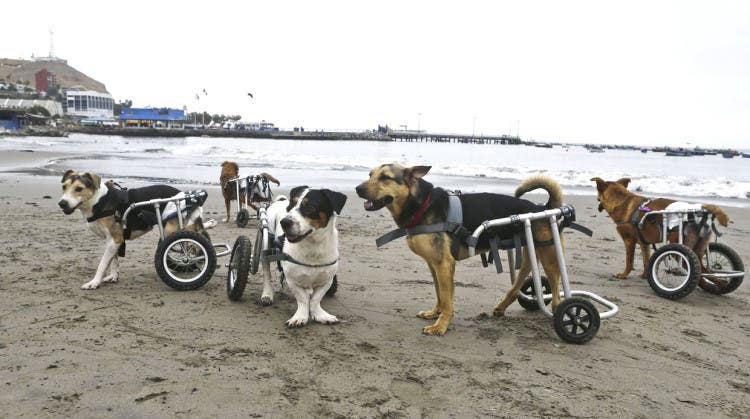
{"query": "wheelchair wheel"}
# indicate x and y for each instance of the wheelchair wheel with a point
(239, 265)
(242, 217)
(334, 287)
(527, 289)
(674, 271)
(576, 320)
(185, 260)
(721, 258)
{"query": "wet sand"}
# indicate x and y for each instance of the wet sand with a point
(139, 349)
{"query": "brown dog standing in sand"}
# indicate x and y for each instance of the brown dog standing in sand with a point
(230, 170)
(414, 202)
(625, 209)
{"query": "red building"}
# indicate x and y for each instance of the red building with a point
(45, 80)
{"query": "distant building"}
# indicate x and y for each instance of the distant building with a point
(84, 104)
(152, 117)
(21, 105)
(9, 120)
(45, 80)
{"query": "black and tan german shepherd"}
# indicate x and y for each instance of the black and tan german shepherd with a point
(413, 201)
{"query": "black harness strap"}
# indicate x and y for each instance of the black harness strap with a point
(287, 258)
(276, 255)
(448, 227)
(634, 221)
(105, 207)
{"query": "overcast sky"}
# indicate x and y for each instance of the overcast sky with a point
(631, 72)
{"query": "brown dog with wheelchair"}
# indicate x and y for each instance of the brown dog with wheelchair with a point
(627, 209)
(414, 202)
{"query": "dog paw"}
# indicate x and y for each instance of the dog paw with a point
(110, 279)
(429, 315)
(498, 313)
(266, 300)
(296, 322)
(325, 318)
(434, 330)
(91, 285)
(620, 276)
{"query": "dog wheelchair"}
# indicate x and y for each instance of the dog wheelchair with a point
(248, 184)
(246, 259)
(184, 259)
(576, 319)
(674, 270)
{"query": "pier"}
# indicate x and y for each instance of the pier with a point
(427, 137)
(407, 136)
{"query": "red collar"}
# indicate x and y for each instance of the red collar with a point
(420, 213)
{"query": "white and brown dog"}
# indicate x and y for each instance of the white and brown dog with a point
(102, 205)
(310, 250)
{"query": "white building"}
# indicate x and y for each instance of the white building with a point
(88, 103)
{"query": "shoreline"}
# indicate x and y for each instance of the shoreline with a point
(26, 162)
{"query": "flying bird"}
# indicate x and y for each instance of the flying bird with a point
(250, 94)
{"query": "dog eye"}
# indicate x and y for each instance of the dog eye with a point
(308, 211)
(79, 188)
(383, 178)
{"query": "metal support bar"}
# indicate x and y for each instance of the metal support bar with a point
(560, 257)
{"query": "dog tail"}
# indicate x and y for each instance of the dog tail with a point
(542, 182)
(270, 178)
(718, 212)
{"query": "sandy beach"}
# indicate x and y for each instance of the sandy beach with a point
(139, 349)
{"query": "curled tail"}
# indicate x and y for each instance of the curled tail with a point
(718, 212)
(544, 182)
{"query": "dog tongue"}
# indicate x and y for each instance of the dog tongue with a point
(368, 204)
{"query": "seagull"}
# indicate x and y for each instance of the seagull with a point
(250, 94)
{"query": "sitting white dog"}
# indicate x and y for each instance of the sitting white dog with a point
(310, 250)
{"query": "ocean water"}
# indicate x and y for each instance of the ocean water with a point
(342, 165)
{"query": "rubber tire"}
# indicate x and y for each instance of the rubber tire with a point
(528, 289)
(239, 266)
(693, 265)
(573, 307)
(334, 287)
(200, 240)
(257, 251)
(737, 265)
(243, 217)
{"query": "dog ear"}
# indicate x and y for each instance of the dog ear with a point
(337, 199)
(91, 179)
(624, 181)
(601, 184)
(67, 174)
(416, 172)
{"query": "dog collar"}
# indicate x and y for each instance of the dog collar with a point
(420, 213)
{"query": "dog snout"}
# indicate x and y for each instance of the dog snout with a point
(361, 190)
(287, 223)
(63, 204)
